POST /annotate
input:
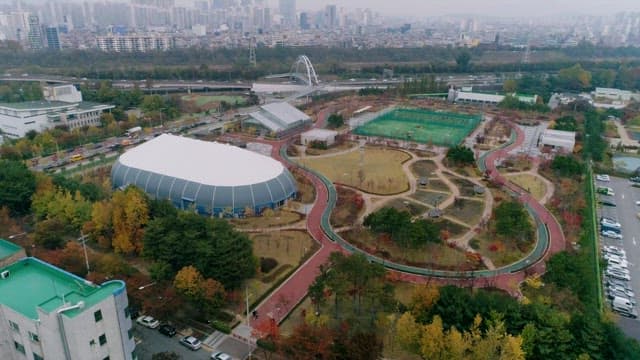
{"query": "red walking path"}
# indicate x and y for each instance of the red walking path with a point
(283, 300)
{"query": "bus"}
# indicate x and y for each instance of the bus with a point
(133, 132)
(76, 157)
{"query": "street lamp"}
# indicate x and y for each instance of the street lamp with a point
(11, 237)
(146, 286)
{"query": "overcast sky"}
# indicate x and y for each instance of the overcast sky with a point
(481, 7)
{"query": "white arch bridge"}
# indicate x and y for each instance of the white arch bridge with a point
(301, 70)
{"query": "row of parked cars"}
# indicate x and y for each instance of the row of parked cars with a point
(190, 342)
(617, 287)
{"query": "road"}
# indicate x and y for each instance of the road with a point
(151, 342)
(626, 212)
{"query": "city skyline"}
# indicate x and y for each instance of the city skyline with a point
(499, 8)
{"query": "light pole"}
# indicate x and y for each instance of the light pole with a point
(146, 286)
(11, 237)
(246, 297)
(83, 240)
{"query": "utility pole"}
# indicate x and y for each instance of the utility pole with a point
(83, 240)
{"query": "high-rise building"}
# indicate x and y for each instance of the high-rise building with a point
(330, 16)
(48, 313)
(35, 33)
(304, 21)
(53, 37)
(288, 12)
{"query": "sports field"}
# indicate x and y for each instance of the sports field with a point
(423, 126)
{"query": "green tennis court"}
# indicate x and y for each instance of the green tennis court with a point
(423, 126)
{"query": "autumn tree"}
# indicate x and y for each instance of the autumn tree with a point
(130, 215)
(209, 294)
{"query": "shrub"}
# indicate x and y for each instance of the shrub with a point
(220, 326)
(267, 264)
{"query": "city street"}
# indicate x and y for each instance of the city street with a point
(626, 212)
(152, 342)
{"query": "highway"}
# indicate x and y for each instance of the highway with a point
(626, 212)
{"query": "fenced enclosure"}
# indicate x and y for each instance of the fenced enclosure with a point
(422, 126)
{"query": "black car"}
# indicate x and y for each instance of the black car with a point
(166, 329)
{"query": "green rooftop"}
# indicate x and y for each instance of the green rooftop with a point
(33, 283)
(8, 248)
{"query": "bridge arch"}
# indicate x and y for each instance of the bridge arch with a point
(308, 75)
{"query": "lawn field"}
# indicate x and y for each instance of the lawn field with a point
(381, 170)
(533, 184)
(205, 101)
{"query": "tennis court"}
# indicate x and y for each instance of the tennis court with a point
(421, 125)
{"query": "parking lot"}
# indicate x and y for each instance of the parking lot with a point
(626, 212)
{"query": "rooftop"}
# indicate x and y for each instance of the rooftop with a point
(8, 248)
(35, 105)
(33, 284)
(320, 132)
(204, 162)
(285, 112)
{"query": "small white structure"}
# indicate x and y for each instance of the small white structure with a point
(319, 135)
(64, 93)
(482, 98)
(280, 118)
(558, 139)
(612, 94)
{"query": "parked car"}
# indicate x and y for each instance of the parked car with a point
(167, 330)
(604, 190)
(605, 221)
(628, 312)
(191, 342)
(221, 356)
(610, 281)
(612, 294)
(617, 275)
(617, 261)
(621, 289)
(635, 179)
(620, 269)
(603, 177)
(614, 250)
(603, 200)
(611, 234)
(148, 321)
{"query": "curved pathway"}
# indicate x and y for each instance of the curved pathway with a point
(281, 301)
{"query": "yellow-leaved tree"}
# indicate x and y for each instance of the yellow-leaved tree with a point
(130, 215)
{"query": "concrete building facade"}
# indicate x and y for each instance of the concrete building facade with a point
(48, 313)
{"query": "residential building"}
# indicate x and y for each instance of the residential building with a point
(48, 313)
(53, 37)
(288, 12)
(35, 33)
(135, 43)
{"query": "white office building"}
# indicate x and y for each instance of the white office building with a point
(48, 313)
(63, 106)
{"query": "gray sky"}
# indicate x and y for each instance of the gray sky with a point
(518, 8)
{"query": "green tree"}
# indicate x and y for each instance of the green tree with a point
(512, 221)
(17, 185)
(463, 59)
(460, 155)
(335, 121)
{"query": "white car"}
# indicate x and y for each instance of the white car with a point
(148, 321)
(614, 250)
(603, 177)
(611, 234)
(610, 223)
(221, 356)
(617, 275)
(191, 342)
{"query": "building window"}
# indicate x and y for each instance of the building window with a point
(102, 339)
(14, 326)
(37, 357)
(130, 333)
(34, 337)
(97, 315)
(19, 347)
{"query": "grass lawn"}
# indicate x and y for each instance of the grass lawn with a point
(467, 211)
(279, 218)
(287, 247)
(529, 182)
(402, 204)
(346, 211)
(465, 186)
(333, 149)
(429, 197)
(204, 100)
(381, 171)
(423, 168)
(499, 252)
(432, 255)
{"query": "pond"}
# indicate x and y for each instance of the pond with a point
(626, 163)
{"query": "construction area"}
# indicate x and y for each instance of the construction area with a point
(421, 125)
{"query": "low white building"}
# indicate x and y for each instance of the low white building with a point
(558, 139)
(483, 98)
(612, 94)
(328, 137)
(48, 313)
(279, 118)
(63, 106)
